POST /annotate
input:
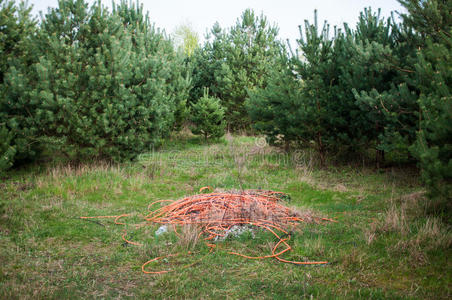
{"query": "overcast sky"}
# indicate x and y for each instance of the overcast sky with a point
(287, 14)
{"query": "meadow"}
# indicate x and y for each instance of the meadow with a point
(383, 245)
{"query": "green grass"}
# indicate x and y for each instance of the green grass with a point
(382, 247)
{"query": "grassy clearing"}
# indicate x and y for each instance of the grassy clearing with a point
(382, 246)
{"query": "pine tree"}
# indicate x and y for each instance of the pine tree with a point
(432, 22)
(154, 42)
(377, 76)
(278, 110)
(207, 116)
(315, 67)
(17, 129)
(206, 62)
(340, 92)
(105, 84)
(434, 145)
(236, 61)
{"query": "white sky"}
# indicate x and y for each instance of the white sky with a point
(287, 14)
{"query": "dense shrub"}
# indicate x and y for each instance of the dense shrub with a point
(104, 84)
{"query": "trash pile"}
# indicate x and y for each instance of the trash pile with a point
(220, 215)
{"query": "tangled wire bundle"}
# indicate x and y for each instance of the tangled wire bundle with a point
(216, 213)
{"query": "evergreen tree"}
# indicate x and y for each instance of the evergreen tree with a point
(16, 26)
(432, 21)
(166, 65)
(236, 61)
(315, 67)
(105, 84)
(177, 72)
(277, 110)
(347, 91)
(298, 98)
(207, 115)
(377, 76)
(434, 144)
(17, 129)
(206, 62)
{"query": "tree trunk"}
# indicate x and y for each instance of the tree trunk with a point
(379, 158)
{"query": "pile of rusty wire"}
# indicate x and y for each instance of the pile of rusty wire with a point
(216, 213)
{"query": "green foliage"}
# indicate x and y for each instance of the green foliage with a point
(17, 127)
(104, 84)
(314, 99)
(433, 147)
(343, 93)
(205, 62)
(277, 110)
(92, 83)
(358, 90)
(316, 68)
(7, 150)
(207, 115)
(379, 72)
(235, 61)
(16, 26)
(175, 74)
(431, 19)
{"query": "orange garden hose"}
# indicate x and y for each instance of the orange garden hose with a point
(127, 241)
(154, 259)
(205, 188)
(216, 213)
